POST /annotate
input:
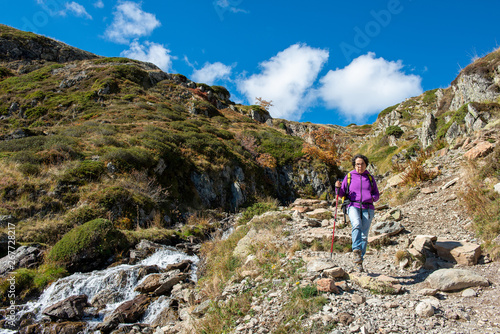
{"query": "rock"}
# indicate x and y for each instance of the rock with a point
(387, 227)
(379, 240)
(327, 285)
(105, 297)
(335, 272)
(469, 293)
(182, 266)
(424, 244)
(462, 253)
(428, 292)
(480, 150)
(68, 309)
(128, 312)
(143, 249)
(22, 257)
(450, 183)
(497, 187)
(160, 284)
(395, 180)
(374, 284)
(344, 318)
(320, 265)
(5, 220)
(201, 309)
(453, 132)
(428, 130)
(424, 309)
(455, 279)
(358, 299)
(427, 191)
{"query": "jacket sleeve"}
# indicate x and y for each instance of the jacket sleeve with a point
(343, 187)
(375, 193)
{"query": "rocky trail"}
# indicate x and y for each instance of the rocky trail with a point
(463, 299)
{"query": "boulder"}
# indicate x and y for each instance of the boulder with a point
(160, 284)
(482, 149)
(182, 266)
(455, 279)
(320, 265)
(128, 312)
(70, 308)
(462, 253)
(335, 272)
(424, 244)
(387, 227)
(395, 180)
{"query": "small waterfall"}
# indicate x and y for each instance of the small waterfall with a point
(120, 281)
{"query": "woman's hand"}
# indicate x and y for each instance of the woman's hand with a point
(338, 184)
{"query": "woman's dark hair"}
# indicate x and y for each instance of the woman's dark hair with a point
(357, 156)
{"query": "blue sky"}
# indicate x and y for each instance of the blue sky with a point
(328, 62)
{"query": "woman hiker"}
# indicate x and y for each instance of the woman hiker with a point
(361, 191)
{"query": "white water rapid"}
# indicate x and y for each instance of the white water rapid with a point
(118, 281)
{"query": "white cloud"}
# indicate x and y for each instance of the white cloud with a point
(367, 85)
(211, 72)
(150, 52)
(130, 21)
(75, 9)
(285, 79)
(99, 4)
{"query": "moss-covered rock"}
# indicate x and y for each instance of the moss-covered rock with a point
(88, 247)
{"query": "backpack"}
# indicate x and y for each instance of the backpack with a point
(345, 199)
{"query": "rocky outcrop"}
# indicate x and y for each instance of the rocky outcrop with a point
(22, 257)
(473, 87)
(428, 131)
(18, 45)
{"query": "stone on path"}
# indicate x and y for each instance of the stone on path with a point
(387, 227)
(455, 279)
(327, 285)
(462, 253)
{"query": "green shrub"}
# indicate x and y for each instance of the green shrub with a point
(394, 130)
(256, 210)
(29, 169)
(220, 89)
(5, 73)
(83, 214)
(86, 170)
(430, 96)
(130, 158)
(132, 73)
(36, 112)
(387, 111)
(87, 246)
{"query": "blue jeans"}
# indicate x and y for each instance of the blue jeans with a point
(360, 227)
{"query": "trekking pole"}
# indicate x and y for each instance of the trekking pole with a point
(334, 219)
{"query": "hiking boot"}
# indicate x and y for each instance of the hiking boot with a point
(357, 256)
(358, 267)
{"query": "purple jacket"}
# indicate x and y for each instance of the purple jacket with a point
(360, 190)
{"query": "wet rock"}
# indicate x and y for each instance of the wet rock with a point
(128, 312)
(68, 309)
(182, 266)
(160, 284)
